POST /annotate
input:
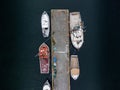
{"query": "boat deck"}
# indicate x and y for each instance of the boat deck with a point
(60, 48)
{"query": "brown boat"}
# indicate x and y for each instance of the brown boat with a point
(44, 58)
(74, 65)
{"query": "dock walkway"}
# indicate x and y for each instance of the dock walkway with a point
(60, 41)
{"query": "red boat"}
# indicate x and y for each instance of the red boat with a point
(44, 58)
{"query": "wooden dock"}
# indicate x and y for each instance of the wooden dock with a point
(60, 48)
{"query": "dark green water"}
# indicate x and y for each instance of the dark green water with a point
(21, 37)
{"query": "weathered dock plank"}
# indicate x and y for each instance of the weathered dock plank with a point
(60, 48)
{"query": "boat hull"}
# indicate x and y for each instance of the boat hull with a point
(77, 41)
(45, 24)
(47, 86)
(74, 65)
(76, 31)
(44, 59)
(44, 66)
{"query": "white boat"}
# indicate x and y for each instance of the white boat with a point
(74, 67)
(45, 24)
(46, 86)
(76, 30)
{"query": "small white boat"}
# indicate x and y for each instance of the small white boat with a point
(45, 24)
(46, 86)
(74, 67)
(76, 30)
